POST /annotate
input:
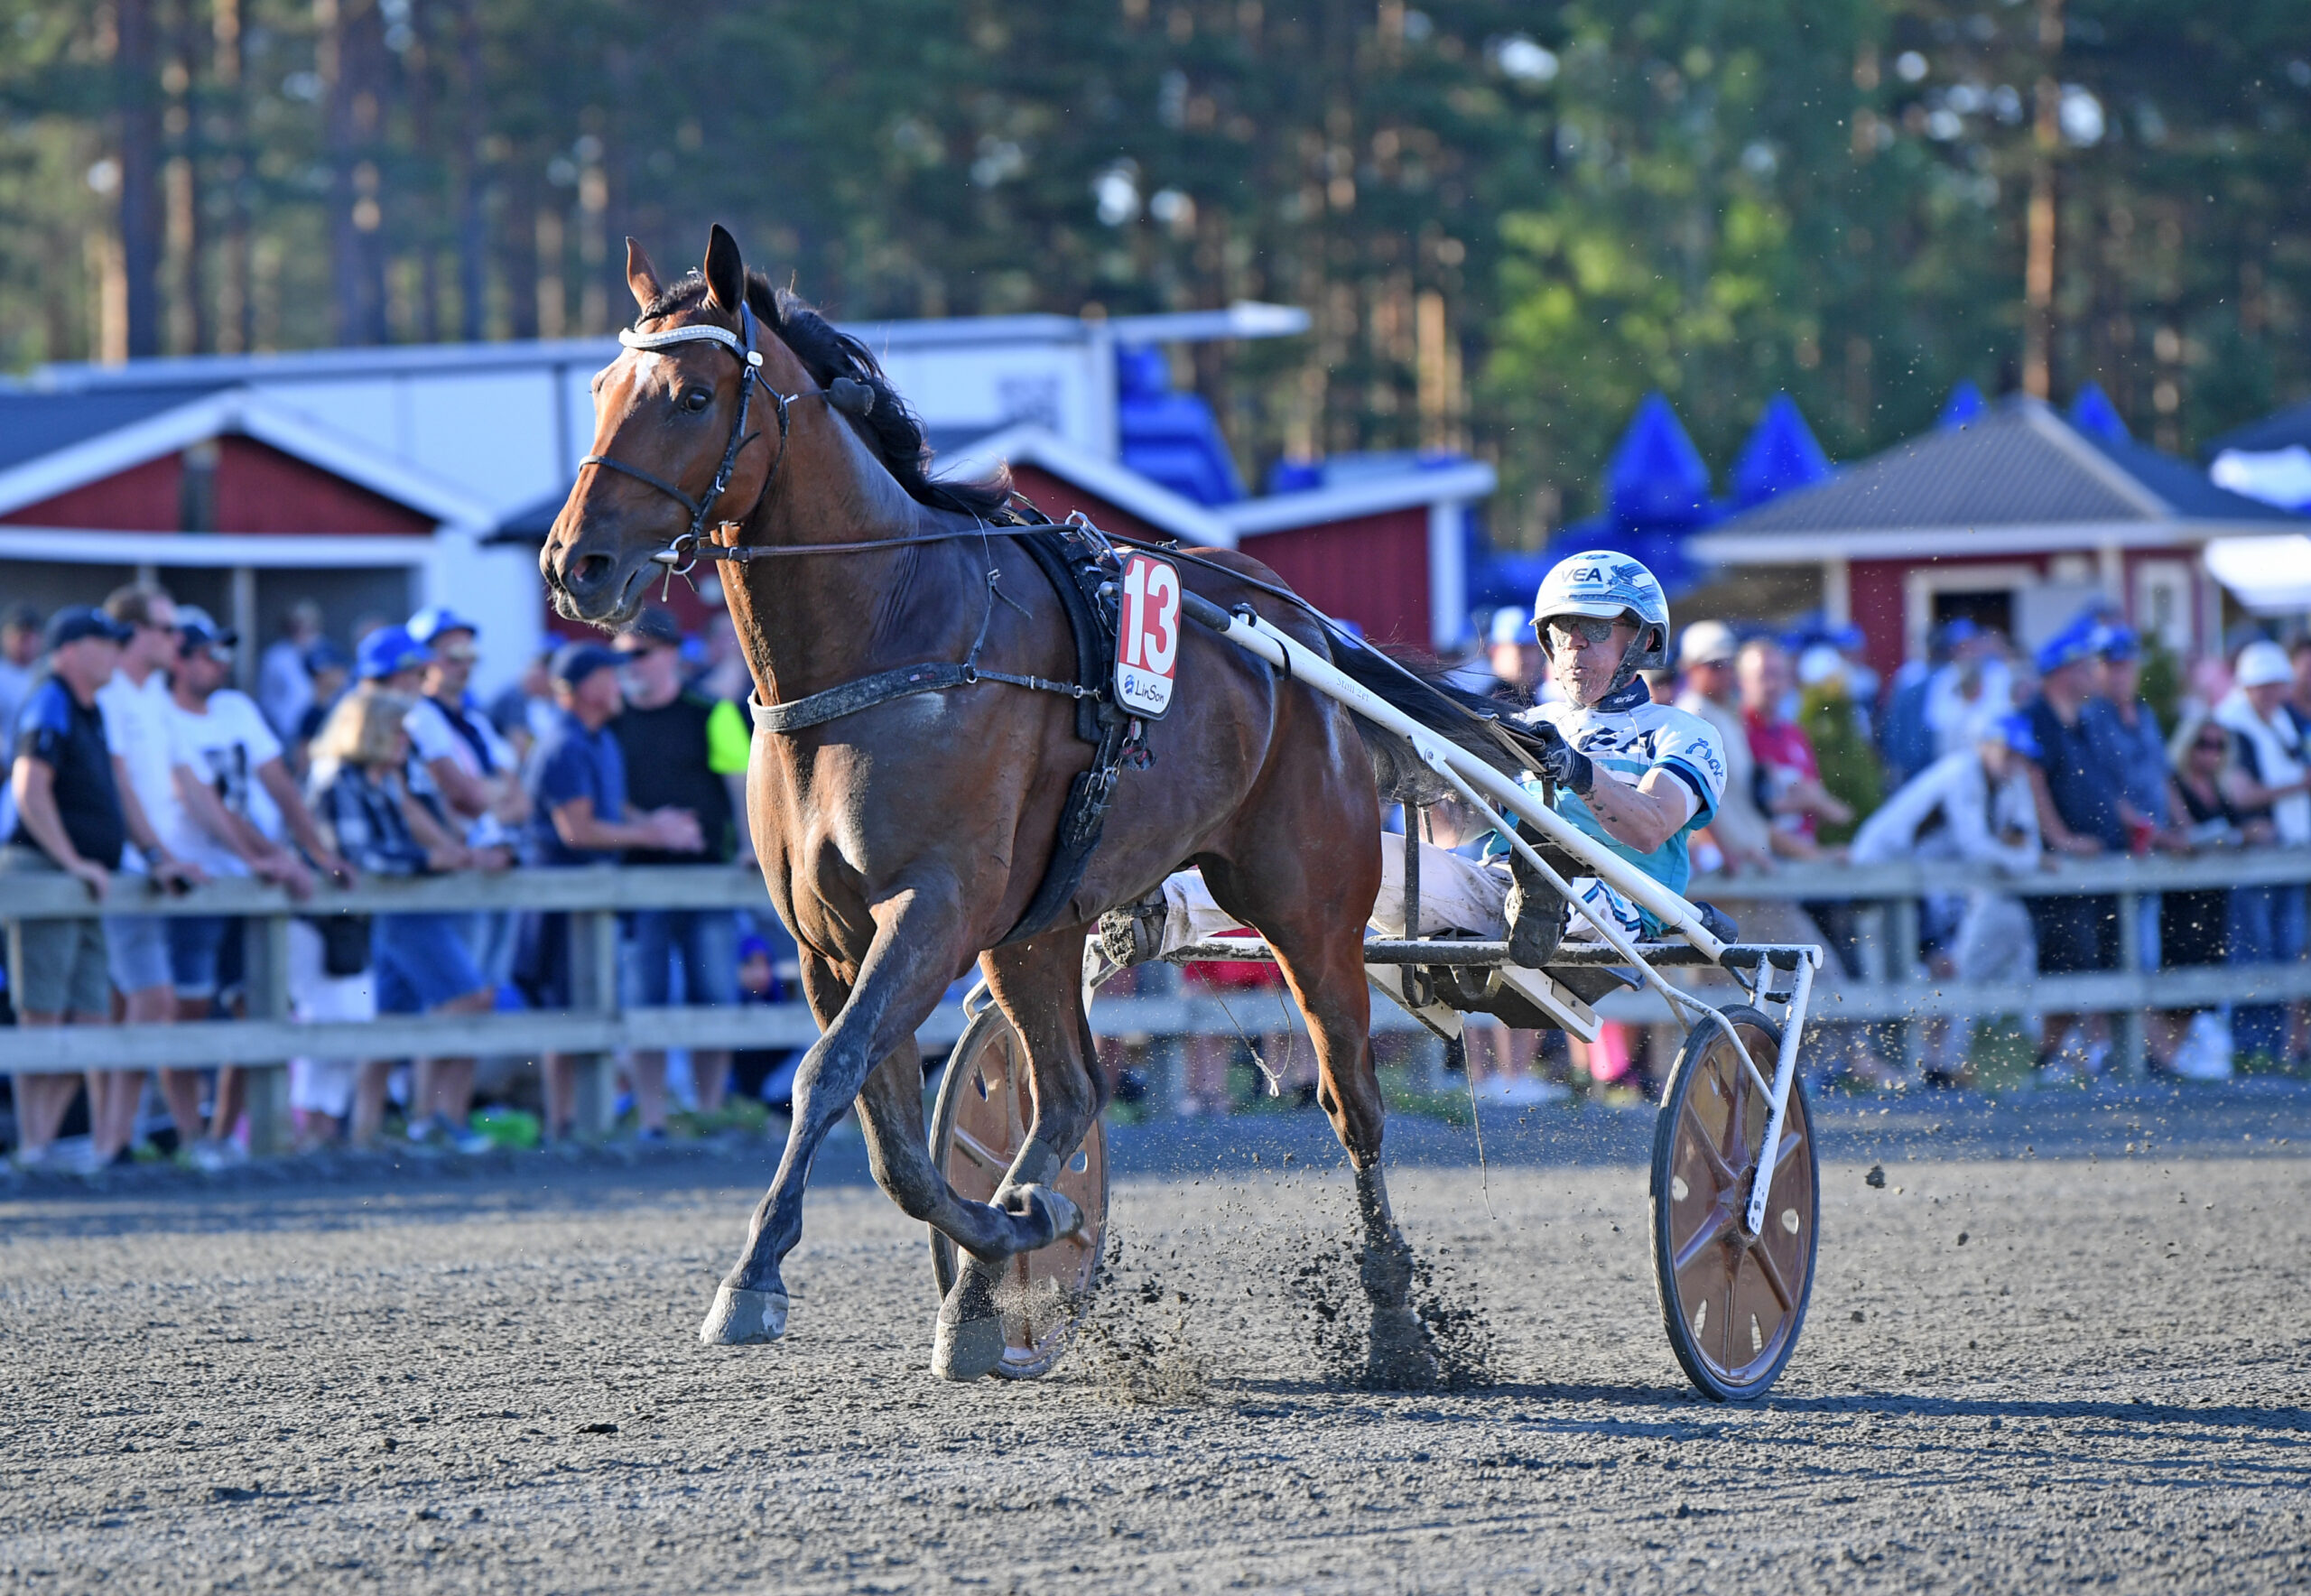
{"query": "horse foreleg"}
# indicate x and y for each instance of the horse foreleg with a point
(907, 967)
(1036, 987)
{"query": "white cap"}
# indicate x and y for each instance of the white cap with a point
(1820, 663)
(1707, 643)
(1511, 624)
(2262, 663)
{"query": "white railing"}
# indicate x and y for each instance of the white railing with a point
(596, 1026)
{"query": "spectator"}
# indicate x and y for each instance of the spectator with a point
(764, 1073)
(140, 724)
(524, 712)
(69, 820)
(332, 668)
(681, 751)
(1512, 657)
(2078, 816)
(1838, 728)
(1788, 772)
(1705, 653)
(475, 775)
(284, 677)
(237, 806)
(389, 660)
(2298, 702)
(2194, 927)
(1975, 689)
(577, 783)
(20, 644)
(2267, 923)
(1903, 735)
(1790, 791)
(2127, 740)
(726, 675)
(1974, 809)
(406, 962)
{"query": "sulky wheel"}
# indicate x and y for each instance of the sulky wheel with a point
(984, 1107)
(1732, 1305)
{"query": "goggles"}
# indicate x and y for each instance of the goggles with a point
(1562, 629)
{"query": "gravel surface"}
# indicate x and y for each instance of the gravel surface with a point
(2035, 1357)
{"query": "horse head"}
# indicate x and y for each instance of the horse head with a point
(691, 425)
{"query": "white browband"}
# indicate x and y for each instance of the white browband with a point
(695, 334)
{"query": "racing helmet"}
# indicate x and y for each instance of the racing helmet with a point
(1606, 585)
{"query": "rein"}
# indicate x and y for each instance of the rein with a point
(682, 555)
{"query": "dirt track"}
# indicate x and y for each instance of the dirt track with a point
(490, 1385)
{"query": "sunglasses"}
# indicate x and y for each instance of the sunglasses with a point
(2212, 745)
(458, 656)
(1563, 629)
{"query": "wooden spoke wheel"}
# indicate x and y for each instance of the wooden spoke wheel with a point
(984, 1107)
(1733, 1304)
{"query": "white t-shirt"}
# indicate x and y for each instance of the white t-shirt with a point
(432, 738)
(225, 747)
(1985, 825)
(2277, 758)
(141, 725)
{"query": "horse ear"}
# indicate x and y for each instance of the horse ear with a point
(726, 273)
(641, 276)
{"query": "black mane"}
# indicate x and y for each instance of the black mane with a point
(893, 428)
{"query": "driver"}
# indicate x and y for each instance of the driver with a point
(1639, 776)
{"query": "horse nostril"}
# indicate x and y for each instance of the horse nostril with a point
(591, 569)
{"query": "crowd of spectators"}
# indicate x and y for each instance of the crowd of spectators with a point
(132, 756)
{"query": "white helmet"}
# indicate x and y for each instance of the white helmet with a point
(1607, 585)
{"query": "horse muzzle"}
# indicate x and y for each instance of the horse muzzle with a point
(596, 579)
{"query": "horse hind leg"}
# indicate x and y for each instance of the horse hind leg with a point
(1321, 959)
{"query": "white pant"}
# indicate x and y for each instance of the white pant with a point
(324, 1086)
(1457, 894)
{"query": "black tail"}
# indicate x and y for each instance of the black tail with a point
(1418, 687)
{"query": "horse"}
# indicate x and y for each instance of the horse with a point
(902, 841)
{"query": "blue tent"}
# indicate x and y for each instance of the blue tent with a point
(1781, 454)
(2093, 412)
(1171, 438)
(1964, 405)
(1656, 491)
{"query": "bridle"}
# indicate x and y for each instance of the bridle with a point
(681, 556)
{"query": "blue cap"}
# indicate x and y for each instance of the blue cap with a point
(2014, 731)
(325, 655)
(435, 619)
(387, 650)
(2068, 647)
(2116, 642)
(69, 625)
(574, 662)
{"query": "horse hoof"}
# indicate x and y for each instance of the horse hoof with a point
(1399, 1356)
(1056, 1207)
(966, 1350)
(741, 1318)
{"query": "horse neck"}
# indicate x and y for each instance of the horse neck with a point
(812, 622)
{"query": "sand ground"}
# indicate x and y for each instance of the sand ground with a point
(2020, 1371)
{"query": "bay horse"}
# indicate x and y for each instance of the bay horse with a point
(901, 842)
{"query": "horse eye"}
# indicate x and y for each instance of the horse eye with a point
(696, 399)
